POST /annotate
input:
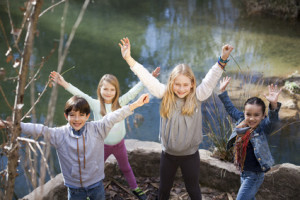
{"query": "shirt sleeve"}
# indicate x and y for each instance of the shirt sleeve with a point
(150, 82)
(36, 130)
(205, 89)
(75, 91)
(131, 94)
(104, 125)
(272, 118)
(229, 107)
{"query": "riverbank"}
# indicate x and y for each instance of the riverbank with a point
(217, 178)
(289, 9)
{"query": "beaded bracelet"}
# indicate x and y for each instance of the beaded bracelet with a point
(223, 61)
(222, 66)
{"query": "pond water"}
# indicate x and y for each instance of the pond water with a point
(162, 33)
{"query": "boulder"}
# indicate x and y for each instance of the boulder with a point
(282, 182)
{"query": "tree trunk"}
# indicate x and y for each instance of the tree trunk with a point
(13, 155)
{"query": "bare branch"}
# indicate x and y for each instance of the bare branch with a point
(3, 94)
(30, 140)
(42, 64)
(62, 1)
(37, 72)
(16, 40)
(44, 159)
(37, 143)
(13, 155)
(31, 148)
(4, 34)
(26, 16)
(37, 100)
(53, 98)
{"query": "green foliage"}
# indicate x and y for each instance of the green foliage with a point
(293, 87)
(219, 127)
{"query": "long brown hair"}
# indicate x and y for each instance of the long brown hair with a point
(115, 102)
(169, 101)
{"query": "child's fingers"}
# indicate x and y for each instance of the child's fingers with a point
(145, 98)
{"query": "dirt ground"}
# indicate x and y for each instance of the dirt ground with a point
(116, 189)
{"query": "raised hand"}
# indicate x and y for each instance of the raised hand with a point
(226, 50)
(143, 99)
(224, 83)
(155, 72)
(57, 78)
(272, 97)
(125, 48)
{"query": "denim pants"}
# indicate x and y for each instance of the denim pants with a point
(250, 183)
(120, 153)
(95, 193)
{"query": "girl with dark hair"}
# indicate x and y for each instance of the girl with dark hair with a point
(252, 154)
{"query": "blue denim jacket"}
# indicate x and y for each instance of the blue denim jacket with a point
(258, 138)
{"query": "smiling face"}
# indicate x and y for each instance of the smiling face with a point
(253, 115)
(182, 86)
(76, 119)
(108, 92)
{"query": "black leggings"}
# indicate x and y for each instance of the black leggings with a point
(189, 166)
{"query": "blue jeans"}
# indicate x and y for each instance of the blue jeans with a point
(95, 193)
(250, 183)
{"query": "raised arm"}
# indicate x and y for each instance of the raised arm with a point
(274, 107)
(153, 85)
(205, 89)
(108, 121)
(229, 107)
(133, 92)
(57, 78)
(35, 130)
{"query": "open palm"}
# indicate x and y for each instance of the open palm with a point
(274, 92)
(125, 48)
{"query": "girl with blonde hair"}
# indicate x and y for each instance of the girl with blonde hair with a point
(181, 118)
(109, 100)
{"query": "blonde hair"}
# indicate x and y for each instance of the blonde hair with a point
(115, 102)
(168, 103)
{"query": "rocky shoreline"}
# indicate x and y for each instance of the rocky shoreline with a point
(218, 179)
(289, 9)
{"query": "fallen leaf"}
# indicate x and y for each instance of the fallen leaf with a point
(9, 58)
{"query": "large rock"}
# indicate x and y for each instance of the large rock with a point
(52, 190)
(282, 182)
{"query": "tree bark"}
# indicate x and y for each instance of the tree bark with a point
(13, 155)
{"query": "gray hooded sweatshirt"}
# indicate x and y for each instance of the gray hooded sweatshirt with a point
(68, 145)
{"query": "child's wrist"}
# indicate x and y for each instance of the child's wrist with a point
(273, 105)
(131, 62)
(133, 106)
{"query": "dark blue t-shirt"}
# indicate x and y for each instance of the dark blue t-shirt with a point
(251, 163)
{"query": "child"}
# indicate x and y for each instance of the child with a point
(108, 92)
(79, 145)
(252, 154)
(181, 118)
